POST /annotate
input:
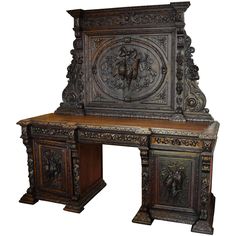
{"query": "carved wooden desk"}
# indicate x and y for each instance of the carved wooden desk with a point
(132, 82)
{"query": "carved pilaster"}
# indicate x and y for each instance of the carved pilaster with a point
(143, 216)
(207, 200)
(74, 205)
(29, 197)
(178, 116)
(73, 94)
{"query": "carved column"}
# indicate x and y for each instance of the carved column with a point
(74, 205)
(29, 197)
(143, 216)
(207, 199)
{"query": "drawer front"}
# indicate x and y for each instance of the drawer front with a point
(53, 167)
(175, 179)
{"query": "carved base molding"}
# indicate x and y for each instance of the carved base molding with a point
(205, 226)
(28, 198)
(78, 206)
(143, 217)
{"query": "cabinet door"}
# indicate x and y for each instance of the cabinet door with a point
(53, 167)
(174, 180)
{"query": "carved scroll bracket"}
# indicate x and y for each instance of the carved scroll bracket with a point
(73, 94)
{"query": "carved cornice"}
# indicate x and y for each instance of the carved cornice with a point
(132, 19)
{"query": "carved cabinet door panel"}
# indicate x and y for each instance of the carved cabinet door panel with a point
(174, 180)
(53, 167)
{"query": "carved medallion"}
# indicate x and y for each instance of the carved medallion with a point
(129, 69)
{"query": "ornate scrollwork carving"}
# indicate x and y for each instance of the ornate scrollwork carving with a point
(131, 18)
(76, 176)
(177, 142)
(195, 100)
(140, 140)
(73, 94)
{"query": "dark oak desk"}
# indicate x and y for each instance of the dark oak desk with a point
(132, 81)
(65, 163)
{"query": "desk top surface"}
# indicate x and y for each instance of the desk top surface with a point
(98, 121)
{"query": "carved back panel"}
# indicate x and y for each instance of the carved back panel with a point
(133, 62)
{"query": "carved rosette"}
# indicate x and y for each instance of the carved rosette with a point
(73, 94)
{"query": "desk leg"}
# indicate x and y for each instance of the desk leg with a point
(29, 196)
(87, 174)
(143, 216)
(207, 199)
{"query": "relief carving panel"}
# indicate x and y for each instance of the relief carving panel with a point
(128, 68)
(52, 168)
(175, 182)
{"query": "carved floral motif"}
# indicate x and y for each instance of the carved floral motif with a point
(177, 141)
(114, 137)
(133, 19)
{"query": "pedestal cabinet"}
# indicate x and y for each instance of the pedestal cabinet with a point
(132, 81)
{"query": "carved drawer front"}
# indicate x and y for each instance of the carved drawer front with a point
(52, 167)
(174, 182)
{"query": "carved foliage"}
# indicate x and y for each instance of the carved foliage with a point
(195, 100)
(107, 137)
(73, 94)
(172, 177)
(28, 143)
(205, 187)
(133, 18)
(52, 167)
(177, 141)
(76, 176)
(145, 176)
(179, 73)
(174, 182)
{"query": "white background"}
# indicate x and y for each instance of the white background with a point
(35, 40)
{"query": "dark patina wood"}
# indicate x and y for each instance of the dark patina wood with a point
(132, 82)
